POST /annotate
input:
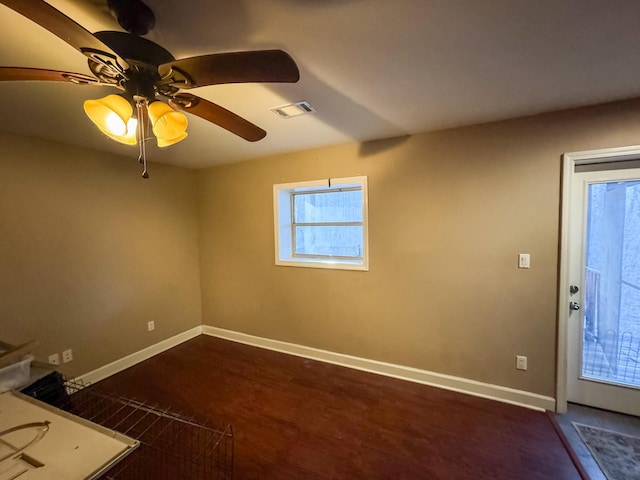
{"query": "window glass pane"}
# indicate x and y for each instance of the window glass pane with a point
(334, 241)
(328, 207)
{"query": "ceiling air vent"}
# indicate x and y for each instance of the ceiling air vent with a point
(293, 109)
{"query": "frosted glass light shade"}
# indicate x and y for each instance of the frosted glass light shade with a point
(110, 114)
(172, 141)
(166, 123)
(130, 137)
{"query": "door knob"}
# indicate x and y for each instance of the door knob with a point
(574, 306)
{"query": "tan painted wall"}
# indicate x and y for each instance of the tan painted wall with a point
(449, 212)
(89, 251)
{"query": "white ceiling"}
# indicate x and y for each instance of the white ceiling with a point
(371, 68)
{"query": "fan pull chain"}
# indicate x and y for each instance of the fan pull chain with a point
(142, 123)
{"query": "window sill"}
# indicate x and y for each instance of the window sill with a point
(331, 264)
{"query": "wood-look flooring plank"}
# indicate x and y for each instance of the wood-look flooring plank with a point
(295, 418)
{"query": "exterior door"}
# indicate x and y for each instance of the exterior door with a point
(603, 368)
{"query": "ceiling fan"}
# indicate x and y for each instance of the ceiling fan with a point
(154, 86)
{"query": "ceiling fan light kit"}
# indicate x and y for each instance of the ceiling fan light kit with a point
(151, 80)
(110, 113)
(129, 138)
(115, 117)
(167, 124)
(162, 143)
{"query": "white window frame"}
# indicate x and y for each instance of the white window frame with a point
(283, 226)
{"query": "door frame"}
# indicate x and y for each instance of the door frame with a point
(569, 162)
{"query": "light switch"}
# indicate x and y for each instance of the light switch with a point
(524, 260)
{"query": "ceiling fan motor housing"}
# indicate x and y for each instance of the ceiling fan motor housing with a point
(143, 57)
(133, 15)
(137, 49)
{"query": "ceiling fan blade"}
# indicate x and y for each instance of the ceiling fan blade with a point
(11, 74)
(218, 115)
(237, 67)
(65, 28)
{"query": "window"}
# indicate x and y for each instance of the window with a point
(322, 224)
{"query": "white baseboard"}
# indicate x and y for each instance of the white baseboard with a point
(139, 356)
(448, 382)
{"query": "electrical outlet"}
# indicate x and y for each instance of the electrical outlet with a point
(54, 359)
(67, 356)
(151, 325)
(521, 362)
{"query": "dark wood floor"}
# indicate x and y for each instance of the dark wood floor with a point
(299, 419)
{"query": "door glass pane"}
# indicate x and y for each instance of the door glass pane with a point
(611, 330)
